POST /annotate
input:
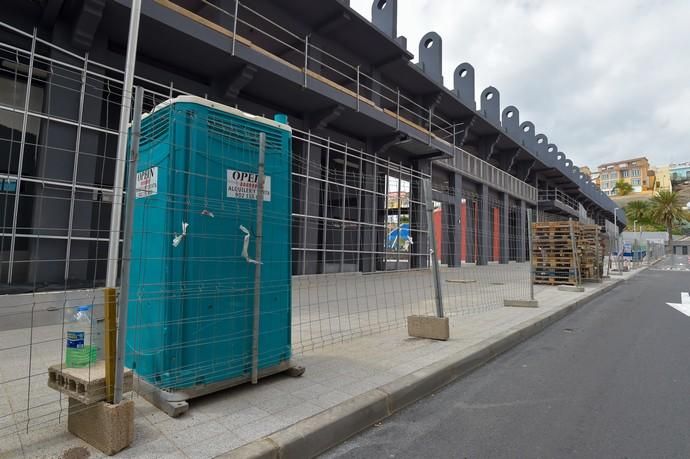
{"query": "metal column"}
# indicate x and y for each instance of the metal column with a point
(457, 224)
(522, 236)
(433, 254)
(257, 266)
(127, 246)
(484, 227)
(110, 294)
(505, 229)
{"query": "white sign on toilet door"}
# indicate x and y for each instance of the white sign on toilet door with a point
(244, 185)
(147, 182)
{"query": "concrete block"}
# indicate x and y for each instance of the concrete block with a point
(428, 327)
(570, 288)
(110, 428)
(521, 303)
(86, 384)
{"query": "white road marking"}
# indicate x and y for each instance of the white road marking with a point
(684, 305)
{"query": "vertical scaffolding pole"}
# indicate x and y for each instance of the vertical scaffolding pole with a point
(576, 258)
(75, 167)
(257, 266)
(110, 294)
(397, 110)
(306, 60)
(433, 258)
(234, 25)
(127, 246)
(429, 121)
(358, 71)
(529, 247)
(22, 149)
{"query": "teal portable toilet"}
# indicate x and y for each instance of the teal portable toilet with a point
(192, 286)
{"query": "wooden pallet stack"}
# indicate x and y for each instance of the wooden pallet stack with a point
(590, 252)
(555, 253)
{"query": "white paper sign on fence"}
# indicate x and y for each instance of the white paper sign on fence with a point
(147, 182)
(244, 185)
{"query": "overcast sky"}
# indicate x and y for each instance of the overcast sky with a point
(603, 79)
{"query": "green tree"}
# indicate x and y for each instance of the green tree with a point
(666, 210)
(622, 188)
(637, 210)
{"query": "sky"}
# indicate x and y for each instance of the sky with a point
(605, 80)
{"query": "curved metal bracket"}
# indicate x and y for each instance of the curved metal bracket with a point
(540, 145)
(527, 131)
(384, 15)
(491, 104)
(463, 84)
(492, 147)
(510, 120)
(513, 160)
(431, 56)
(466, 132)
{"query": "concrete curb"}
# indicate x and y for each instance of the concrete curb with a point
(315, 435)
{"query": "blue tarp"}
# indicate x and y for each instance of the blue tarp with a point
(401, 233)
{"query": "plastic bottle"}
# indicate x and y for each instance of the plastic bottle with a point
(79, 350)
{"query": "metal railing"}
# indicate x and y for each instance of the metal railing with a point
(479, 169)
(558, 195)
(302, 54)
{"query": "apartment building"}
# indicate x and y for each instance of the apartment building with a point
(635, 171)
(663, 178)
(679, 172)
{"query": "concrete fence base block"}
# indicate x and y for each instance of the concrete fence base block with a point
(428, 327)
(521, 303)
(570, 288)
(107, 427)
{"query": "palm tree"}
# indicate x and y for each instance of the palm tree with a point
(666, 210)
(622, 188)
(637, 210)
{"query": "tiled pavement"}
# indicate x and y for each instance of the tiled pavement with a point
(223, 421)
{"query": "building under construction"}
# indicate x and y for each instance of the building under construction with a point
(370, 121)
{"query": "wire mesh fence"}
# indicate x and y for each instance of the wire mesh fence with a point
(345, 237)
(482, 242)
(356, 263)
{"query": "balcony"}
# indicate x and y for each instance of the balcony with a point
(555, 201)
(477, 169)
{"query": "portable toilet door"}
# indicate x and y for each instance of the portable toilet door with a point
(192, 280)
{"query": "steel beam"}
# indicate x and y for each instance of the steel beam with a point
(234, 84)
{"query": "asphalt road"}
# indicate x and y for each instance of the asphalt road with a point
(611, 380)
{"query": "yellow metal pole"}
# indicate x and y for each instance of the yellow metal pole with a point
(110, 341)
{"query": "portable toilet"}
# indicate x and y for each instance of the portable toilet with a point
(192, 284)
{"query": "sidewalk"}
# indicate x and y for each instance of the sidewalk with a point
(348, 386)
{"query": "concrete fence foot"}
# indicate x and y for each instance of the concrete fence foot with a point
(105, 426)
(570, 288)
(521, 303)
(428, 327)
